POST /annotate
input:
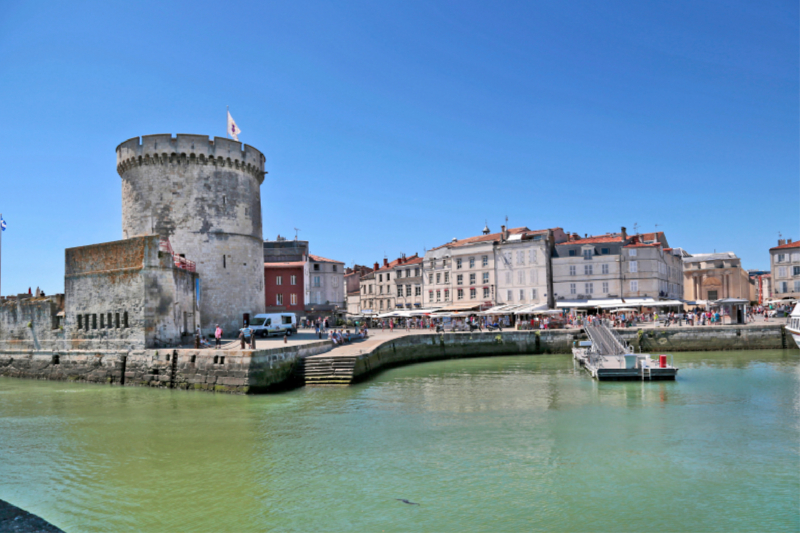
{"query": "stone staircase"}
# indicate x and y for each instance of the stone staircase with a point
(326, 370)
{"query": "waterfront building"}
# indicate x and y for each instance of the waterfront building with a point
(617, 265)
(524, 268)
(715, 276)
(352, 287)
(784, 261)
(378, 288)
(761, 285)
(461, 274)
(298, 281)
(408, 283)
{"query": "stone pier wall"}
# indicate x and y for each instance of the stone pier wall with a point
(418, 348)
(230, 371)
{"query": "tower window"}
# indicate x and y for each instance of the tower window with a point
(116, 320)
(80, 322)
(125, 319)
(94, 321)
(224, 262)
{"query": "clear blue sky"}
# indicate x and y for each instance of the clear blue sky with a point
(390, 127)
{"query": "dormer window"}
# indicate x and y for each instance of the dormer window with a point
(316, 267)
(588, 253)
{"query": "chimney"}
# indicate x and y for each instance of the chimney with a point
(385, 262)
(781, 242)
(789, 241)
(504, 233)
(376, 266)
(624, 233)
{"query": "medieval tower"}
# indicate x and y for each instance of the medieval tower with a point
(204, 196)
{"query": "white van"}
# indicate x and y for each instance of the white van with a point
(274, 324)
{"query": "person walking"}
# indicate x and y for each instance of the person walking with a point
(217, 337)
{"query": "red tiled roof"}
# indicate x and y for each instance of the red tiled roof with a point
(608, 237)
(642, 245)
(413, 260)
(795, 244)
(482, 238)
(284, 264)
(318, 259)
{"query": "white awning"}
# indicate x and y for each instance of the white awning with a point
(532, 309)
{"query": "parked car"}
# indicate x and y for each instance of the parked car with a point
(279, 324)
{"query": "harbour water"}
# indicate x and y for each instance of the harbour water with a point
(490, 444)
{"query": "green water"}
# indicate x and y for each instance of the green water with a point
(490, 444)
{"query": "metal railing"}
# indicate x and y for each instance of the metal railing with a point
(180, 262)
(605, 341)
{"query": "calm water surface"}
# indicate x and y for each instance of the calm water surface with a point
(490, 444)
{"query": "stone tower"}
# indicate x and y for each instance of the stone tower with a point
(204, 195)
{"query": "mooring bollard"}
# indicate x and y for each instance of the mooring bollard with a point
(285, 339)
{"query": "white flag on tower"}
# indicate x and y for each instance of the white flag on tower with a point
(233, 129)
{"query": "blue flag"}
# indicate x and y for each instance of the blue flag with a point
(2, 224)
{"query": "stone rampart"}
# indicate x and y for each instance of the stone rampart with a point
(229, 371)
(32, 323)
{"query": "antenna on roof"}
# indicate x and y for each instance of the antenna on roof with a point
(295, 233)
(657, 225)
(506, 220)
(780, 235)
(635, 228)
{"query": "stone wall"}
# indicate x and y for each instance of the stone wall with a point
(126, 295)
(31, 322)
(700, 339)
(229, 371)
(204, 195)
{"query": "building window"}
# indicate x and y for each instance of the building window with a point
(278, 280)
(460, 279)
(533, 294)
(80, 322)
(781, 272)
(588, 288)
(293, 280)
(399, 291)
(293, 299)
(796, 271)
(485, 260)
(521, 294)
(520, 257)
(486, 277)
(460, 294)
(605, 287)
(380, 304)
(317, 281)
(279, 299)
(335, 281)
(472, 279)
(408, 290)
(438, 278)
(588, 270)
(781, 258)
(797, 286)
(573, 289)
(388, 276)
(634, 285)
(521, 277)
(712, 295)
(486, 292)
(508, 278)
(632, 253)
(380, 278)
(472, 262)
(380, 289)
(125, 319)
(116, 320)
(416, 272)
(458, 263)
(334, 268)
(634, 267)
(417, 290)
(316, 267)
(604, 269)
(605, 251)
(533, 257)
(438, 296)
(102, 321)
(472, 294)
(447, 277)
(224, 262)
(430, 296)
(94, 321)
(509, 296)
(446, 295)
(572, 270)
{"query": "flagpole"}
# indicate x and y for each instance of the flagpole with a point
(1, 252)
(227, 134)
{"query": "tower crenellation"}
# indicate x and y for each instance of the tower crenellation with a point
(190, 149)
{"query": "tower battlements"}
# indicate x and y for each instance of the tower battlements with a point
(190, 149)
